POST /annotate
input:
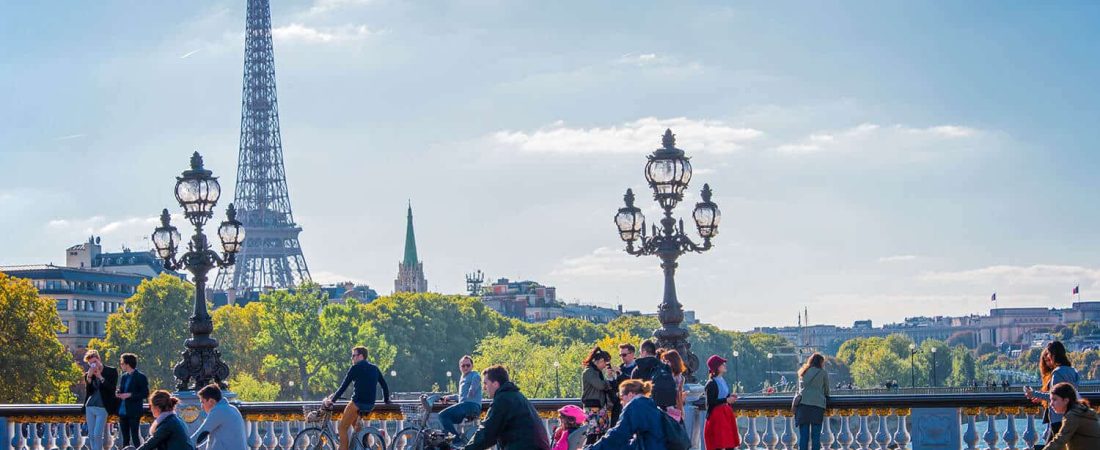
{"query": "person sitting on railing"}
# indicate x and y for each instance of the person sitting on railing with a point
(1054, 367)
(467, 400)
(1080, 428)
(223, 425)
(366, 377)
(512, 423)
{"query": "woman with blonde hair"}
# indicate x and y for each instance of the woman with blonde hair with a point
(809, 403)
(639, 426)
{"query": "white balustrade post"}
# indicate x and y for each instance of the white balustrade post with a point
(845, 435)
(901, 436)
(788, 438)
(269, 436)
(882, 435)
(254, 435)
(1031, 436)
(20, 441)
(770, 436)
(864, 436)
(991, 427)
(970, 437)
(827, 437)
(1010, 437)
(752, 436)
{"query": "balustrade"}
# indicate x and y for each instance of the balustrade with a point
(984, 420)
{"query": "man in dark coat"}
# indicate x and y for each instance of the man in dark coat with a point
(133, 389)
(512, 422)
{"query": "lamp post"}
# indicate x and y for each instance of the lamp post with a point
(197, 191)
(934, 377)
(668, 173)
(557, 381)
(912, 365)
(770, 355)
(737, 380)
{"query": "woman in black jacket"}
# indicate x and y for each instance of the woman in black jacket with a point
(168, 431)
(720, 430)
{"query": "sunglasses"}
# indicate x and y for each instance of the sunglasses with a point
(624, 355)
(464, 365)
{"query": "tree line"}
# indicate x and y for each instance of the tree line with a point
(293, 345)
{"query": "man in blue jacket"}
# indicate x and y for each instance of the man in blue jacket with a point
(366, 377)
(133, 389)
(224, 425)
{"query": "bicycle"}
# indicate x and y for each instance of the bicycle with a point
(321, 436)
(419, 436)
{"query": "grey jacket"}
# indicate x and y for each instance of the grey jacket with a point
(225, 428)
(814, 387)
(1061, 374)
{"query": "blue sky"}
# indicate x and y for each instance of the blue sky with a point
(871, 159)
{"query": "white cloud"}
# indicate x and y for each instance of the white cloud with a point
(325, 277)
(130, 231)
(301, 33)
(323, 6)
(897, 258)
(1051, 276)
(603, 262)
(877, 138)
(643, 59)
(640, 136)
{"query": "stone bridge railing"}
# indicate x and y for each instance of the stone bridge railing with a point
(995, 420)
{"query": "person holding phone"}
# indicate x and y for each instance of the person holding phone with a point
(99, 400)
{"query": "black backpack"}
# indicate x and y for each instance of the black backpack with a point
(676, 437)
(664, 385)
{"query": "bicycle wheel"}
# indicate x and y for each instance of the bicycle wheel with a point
(408, 439)
(314, 438)
(371, 439)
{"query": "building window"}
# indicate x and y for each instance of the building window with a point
(67, 330)
(80, 327)
(63, 305)
(91, 305)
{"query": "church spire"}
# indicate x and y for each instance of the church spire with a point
(410, 271)
(410, 241)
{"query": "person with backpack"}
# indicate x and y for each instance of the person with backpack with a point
(676, 364)
(640, 427)
(720, 430)
(649, 368)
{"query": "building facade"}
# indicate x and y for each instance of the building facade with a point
(410, 271)
(89, 287)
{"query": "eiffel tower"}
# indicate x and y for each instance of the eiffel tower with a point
(271, 256)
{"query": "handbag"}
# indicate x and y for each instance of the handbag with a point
(797, 400)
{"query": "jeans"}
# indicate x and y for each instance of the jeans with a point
(128, 428)
(456, 413)
(96, 418)
(809, 434)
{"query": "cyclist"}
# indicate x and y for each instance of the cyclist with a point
(366, 376)
(512, 422)
(467, 400)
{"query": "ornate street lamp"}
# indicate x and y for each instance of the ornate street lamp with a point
(668, 173)
(197, 191)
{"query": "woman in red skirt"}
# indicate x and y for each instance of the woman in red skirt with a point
(720, 431)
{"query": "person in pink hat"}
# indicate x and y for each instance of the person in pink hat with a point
(570, 433)
(720, 431)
